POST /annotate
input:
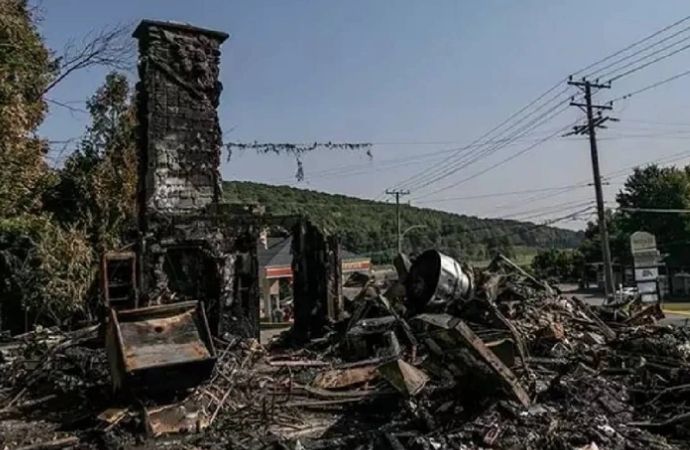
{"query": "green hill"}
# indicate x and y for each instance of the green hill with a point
(369, 228)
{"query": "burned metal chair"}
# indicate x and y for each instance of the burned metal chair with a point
(159, 348)
(153, 348)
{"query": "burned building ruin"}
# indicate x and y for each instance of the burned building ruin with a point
(192, 246)
(317, 279)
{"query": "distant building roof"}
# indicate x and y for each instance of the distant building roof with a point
(276, 253)
(279, 253)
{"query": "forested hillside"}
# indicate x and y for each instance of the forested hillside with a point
(368, 227)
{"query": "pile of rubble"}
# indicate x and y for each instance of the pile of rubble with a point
(448, 358)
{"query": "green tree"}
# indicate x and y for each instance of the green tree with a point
(658, 187)
(590, 247)
(500, 243)
(46, 272)
(563, 265)
(25, 71)
(47, 266)
(97, 188)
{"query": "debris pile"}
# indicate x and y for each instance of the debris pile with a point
(458, 358)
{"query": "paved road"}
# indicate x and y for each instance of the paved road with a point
(678, 318)
(270, 333)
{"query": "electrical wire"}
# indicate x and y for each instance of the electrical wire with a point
(535, 123)
(497, 164)
(642, 50)
(652, 86)
(670, 124)
(435, 167)
(634, 44)
(540, 212)
(443, 163)
(356, 169)
(647, 64)
(497, 194)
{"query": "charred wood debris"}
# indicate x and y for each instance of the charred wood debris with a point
(446, 357)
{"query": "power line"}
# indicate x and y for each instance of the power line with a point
(592, 75)
(540, 211)
(576, 186)
(652, 86)
(356, 169)
(535, 123)
(634, 44)
(510, 224)
(498, 194)
(647, 56)
(515, 225)
(656, 210)
(443, 163)
(609, 176)
(495, 165)
(538, 198)
(665, 160)
(647, 64)
(548, 222)
(434, 168)
(651, 122)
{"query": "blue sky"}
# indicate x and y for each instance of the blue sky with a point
(415, 78)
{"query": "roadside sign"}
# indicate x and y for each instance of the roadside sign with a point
(649, 298)
(647, 274)
(646, 258)
(641, 242)
(647, 287)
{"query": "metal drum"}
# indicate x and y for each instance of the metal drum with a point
(436, 279)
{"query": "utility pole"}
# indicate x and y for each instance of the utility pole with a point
(590, 129)
(398, 193)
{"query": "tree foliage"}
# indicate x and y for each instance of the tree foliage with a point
(46, 270)
(658, 187)
(53, 223)
(369, 228)
(618, 240)
(649, 187)
(97, 187)
(25, 71)
(561, 265)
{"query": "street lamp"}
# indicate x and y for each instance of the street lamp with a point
(402, 235)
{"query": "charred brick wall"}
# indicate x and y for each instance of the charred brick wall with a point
(192, 246)
(178, 97)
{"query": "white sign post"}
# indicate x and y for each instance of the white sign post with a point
(646, 258)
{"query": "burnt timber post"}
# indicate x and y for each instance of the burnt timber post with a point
(317, 280)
